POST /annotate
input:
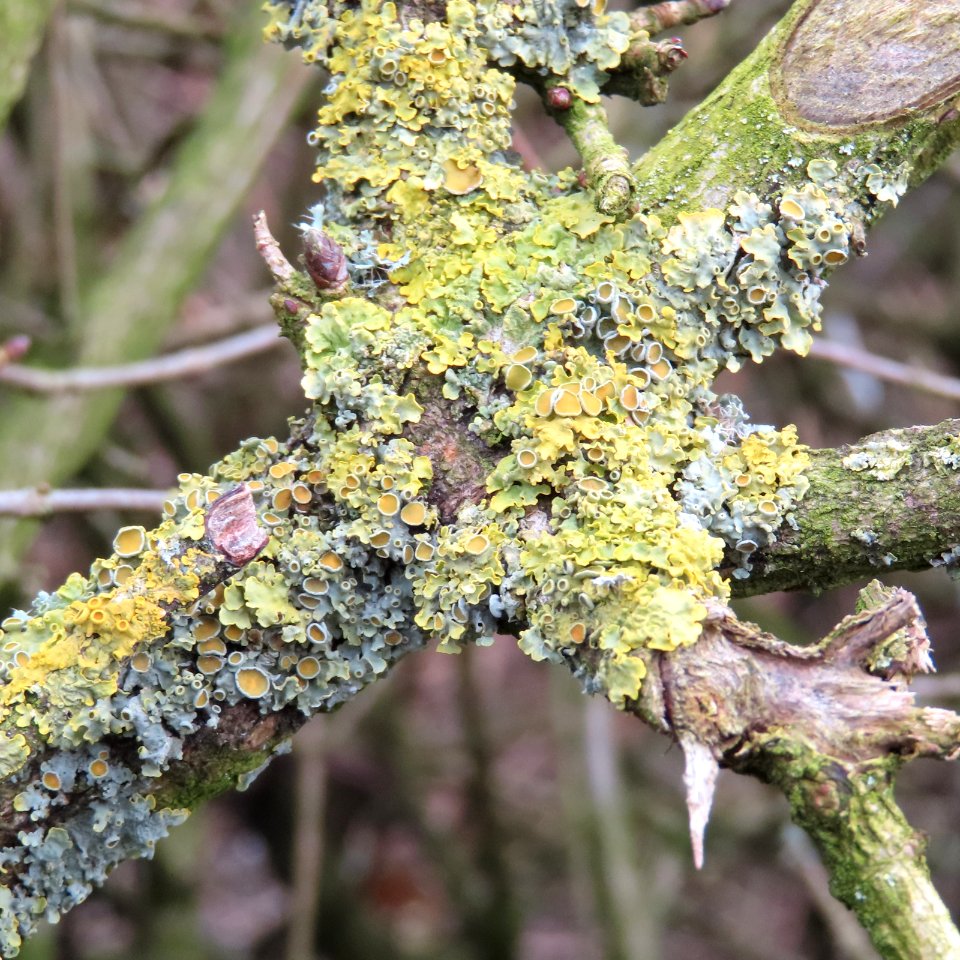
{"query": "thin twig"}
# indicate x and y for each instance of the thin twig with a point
(140, 17)
(268, 248)
(38, 502)
(935, 688)
(856, 358)
(605, 163)
(674, 13)
(173, 366)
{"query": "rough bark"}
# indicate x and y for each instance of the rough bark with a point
(513, 429)
(889, 502)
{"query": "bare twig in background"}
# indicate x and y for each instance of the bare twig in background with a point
(938, 687)
(172, 366)
(37, 502)
(143, 17)
(856, 358)
(310, 785)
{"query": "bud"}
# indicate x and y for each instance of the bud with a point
(559, 98)
(671, 54)
(325, 261)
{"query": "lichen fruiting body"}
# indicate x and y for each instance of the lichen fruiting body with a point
(495, 328)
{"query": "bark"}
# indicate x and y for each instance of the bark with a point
(514, 430)
(889, 502)
(757, 704)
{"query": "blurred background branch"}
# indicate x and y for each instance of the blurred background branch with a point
(139, 282)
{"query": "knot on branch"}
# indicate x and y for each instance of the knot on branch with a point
(799, 716)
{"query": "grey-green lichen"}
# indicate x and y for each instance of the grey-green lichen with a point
(577, 351)
(879, 460)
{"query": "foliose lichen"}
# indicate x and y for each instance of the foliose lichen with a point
(577, 353)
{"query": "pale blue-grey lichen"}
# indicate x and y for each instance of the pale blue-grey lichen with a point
(580, 353)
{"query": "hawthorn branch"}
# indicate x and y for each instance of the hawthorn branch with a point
(889, 502)
(836, 766)
(289, 635)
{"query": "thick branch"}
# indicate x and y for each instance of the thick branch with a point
(514, 428)
(889, 502)
(836, 767)
(766, 718)
(745, 135)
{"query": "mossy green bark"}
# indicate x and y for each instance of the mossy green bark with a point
(890, 502)
(748, 136)
(876, 860)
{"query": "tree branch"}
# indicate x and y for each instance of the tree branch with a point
(173, 366)
(513, 430)
(889, 502)
(835, 766)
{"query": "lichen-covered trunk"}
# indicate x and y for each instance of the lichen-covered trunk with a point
(513, 422)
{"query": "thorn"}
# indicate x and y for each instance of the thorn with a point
(700, 780)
